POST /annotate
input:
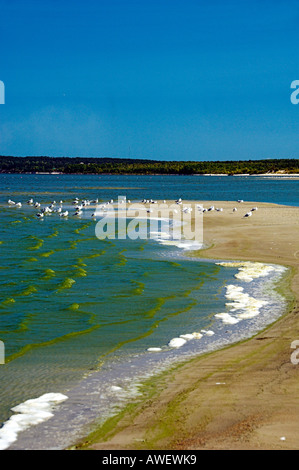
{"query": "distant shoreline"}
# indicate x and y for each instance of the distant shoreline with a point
(138, 166)
(255, 175)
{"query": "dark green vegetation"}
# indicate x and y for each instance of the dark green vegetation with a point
(79, 165)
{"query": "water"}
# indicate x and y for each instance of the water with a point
(72, 305)
(257, 188)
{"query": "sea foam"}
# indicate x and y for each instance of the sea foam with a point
(242, 306)
(248, 270)
(29, 413)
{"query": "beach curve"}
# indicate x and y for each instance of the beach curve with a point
(240, 397)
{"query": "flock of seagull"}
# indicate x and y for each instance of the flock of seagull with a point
(80, 205)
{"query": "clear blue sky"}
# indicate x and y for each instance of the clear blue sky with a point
(160, 79)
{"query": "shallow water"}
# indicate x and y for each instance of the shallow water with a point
(72, 304)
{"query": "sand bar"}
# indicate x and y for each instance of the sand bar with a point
(244, 396)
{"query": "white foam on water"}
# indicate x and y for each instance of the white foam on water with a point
(115, 388)
(29, 413)
(248, 270)
(176, 342)
(227, 318)
(242, 305)
(197, 335)
(184, 244)
(187, 336)
(181, 340)
(207, 332)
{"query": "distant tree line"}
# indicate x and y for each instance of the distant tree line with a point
(77, 165)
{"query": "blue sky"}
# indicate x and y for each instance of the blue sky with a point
(167, 79)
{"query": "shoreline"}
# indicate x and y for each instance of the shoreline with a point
(55, 173)
(240, 416)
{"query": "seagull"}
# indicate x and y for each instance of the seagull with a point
(18, 204)
(30, 201)
(64, 214)
(10, 202)
(254, 209)
(249, 214)
(40, 215)
(235, 209)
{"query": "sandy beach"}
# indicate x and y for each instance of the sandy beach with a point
(244, 396)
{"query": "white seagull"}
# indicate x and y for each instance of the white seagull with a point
(64, 214)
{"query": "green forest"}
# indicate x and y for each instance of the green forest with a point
(77, 165)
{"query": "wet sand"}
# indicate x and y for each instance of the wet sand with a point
(244, 396)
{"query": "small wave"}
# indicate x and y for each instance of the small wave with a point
(47, 254)
(123, 260)
(79, 272)
(39, 244)
(8, 301)
(94, 255)
(24, 350)
(29, 413)
(66, 284)
(80, 262)
(16, 222)
(139, 289)
(54, 234)
(73, 245)
(49, 273)
(83, 227)
(73, 307)
(29, 290)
